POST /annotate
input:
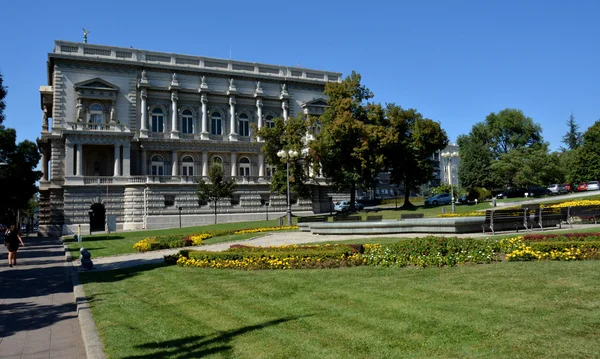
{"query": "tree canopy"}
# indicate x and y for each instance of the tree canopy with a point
(409, 145)
(573, 136)
(586, 166)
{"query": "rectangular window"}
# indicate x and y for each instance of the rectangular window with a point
(157, 124)
(187, 123)
(187, 171)
(215, 127)
(244, 128)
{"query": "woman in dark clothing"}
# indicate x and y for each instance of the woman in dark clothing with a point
(11, 241)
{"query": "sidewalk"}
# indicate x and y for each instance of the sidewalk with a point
(38, 315)
(271, 239)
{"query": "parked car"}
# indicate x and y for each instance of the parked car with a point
(536, 191)
(569, 187)
(511, 193)
(442, 198)
(342, 206)
(593, 186)
(557, 189)
(582, 187)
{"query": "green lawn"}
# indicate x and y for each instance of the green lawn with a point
(503, 310)
(102, 245)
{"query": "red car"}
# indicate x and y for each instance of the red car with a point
(582, 187)
(569, 187)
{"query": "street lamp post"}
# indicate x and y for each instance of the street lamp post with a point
(449, 156)
(288, 155)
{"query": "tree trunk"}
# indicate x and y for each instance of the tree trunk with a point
(216, 211)
(407, 204)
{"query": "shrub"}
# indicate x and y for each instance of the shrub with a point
(432, 251)
(480, 194)
(283, 257)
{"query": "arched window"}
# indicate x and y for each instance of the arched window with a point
(217, 159)
(158, 119)
(157, 165)
(269, 121)
(216, 124)
(244, 125)
(244, 165)
(187, 166)
(187, 122)
(96, 112)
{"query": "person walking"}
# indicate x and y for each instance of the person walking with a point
(11, 241)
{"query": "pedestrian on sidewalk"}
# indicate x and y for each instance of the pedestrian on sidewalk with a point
(11, 241)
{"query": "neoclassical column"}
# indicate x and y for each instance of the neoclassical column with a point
(144, 114)
(204, 134)
(69, 156)
(259, 105)
(284, 106)
(117, 158)
(79, 154)
(175, 168)
(261, 165)
(204, 164)
(144, 162)
(127, 160)
(233, 164)
(233, 136)
(174, 115)
(44, 166)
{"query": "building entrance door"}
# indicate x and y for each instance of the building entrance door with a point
(97, 217)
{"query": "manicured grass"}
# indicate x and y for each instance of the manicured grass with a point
(503, 310)
(102, 245)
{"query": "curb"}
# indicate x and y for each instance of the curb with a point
(89, 333)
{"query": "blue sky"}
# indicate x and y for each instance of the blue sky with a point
(454, 61)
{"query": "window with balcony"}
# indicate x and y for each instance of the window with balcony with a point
(244, 125)
(187, 122)
(187, 166)
(270, 171)
(158, 119)
(244, 165)
(95, 115)
(157, 166)
(216, 124)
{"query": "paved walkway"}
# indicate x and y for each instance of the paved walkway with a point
(38, 315)
(271, 239)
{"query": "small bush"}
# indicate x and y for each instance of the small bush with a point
(480, 194)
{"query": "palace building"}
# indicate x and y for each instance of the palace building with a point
(127, 134)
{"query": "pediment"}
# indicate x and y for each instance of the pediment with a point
(96, 84)
(317, 102)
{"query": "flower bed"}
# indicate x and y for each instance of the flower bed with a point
(464, 214)
(432, 251)
(176, 241)
(579, 203)
(519, 249)
(282, 257)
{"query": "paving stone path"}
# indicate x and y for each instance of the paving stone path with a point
(38, 315)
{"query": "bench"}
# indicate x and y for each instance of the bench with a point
(312, 219)
(346, 219)
(583, 211)
(374, 218)
(548, 214)
(515, 217)
(411, 215)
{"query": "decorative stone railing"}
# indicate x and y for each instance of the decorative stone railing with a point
(77, 49)
(87, 126)
(119, 180)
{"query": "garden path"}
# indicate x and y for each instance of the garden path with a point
(271, 239)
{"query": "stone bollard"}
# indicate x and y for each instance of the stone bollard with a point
(85, 259)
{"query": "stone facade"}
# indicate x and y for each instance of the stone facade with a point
(128, 133)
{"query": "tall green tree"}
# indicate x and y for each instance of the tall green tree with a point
(347, 146)
(586, 166)
(528, 166)
(18, 177)
(573, 136)
(409, 147)
(218, 187)
(490, 141)
(288, 135)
